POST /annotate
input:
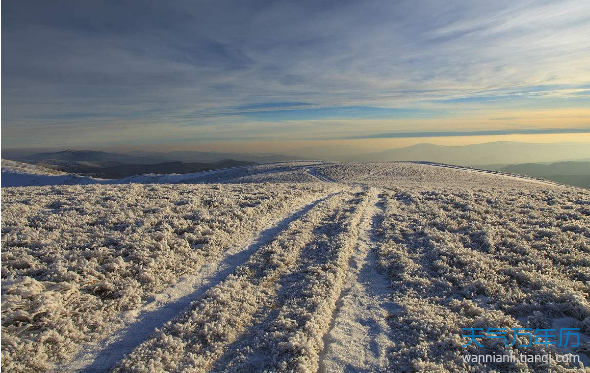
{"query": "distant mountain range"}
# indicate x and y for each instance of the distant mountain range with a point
(527, 158)
(116, 165)
(542, 170)
(570, 173)
(124, 170)
(501, 153)
(89, 157)
(106, 159)
(481, 154)
(197, 156)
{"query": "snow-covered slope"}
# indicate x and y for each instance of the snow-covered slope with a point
(411, 174)
(15, 174)
(22, 174)
(296, 267)
(27, 168)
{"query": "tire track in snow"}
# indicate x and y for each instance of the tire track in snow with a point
(288, 338)
(138, 325)
(198, 337)
(358, 339)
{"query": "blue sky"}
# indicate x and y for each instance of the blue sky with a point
(137, 72)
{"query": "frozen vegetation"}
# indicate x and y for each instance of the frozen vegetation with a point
(482, 259)
(292, 267)
(75, 257)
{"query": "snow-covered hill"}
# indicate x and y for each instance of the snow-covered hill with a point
(15, 174)
(406, 173)
(299, 266)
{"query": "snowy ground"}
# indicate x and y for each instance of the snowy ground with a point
(298, 267)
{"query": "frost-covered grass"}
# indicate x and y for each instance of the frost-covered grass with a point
(292, 284)
(74, 258)
(463, 259)
(461, 248)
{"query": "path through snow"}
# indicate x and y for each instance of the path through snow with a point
(359, 338)
(138, 325)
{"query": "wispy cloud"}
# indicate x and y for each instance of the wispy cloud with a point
(523, 131)
(91, 65)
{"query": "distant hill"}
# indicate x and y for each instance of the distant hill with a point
(481, 154)
(582, 181)
(89, 157)
(558, 168)
(197, 156)
(107, 159)
(26, 168)
(570, 173)
(24, 174)
(125, 170)
(117, 165)
(496, 153)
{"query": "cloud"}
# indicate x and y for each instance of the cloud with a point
(181, 63)
(522, 131)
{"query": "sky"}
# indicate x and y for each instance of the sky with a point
(182, 74)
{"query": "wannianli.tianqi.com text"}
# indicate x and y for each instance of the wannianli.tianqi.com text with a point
(523, 358)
